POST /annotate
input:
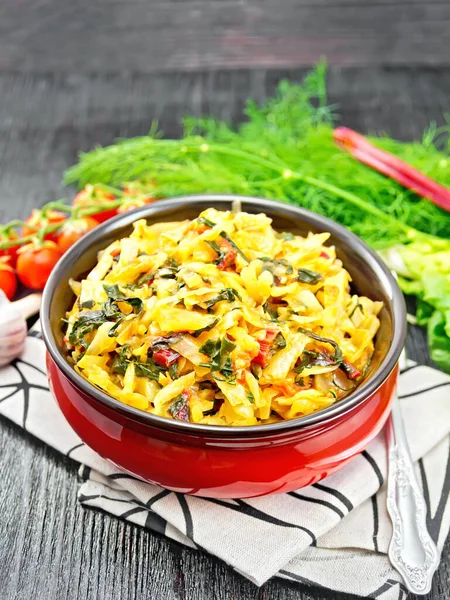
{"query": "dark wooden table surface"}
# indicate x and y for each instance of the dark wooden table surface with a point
(76, 74)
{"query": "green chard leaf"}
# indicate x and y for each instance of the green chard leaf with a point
(210, 348)
(279, 343)
(309, 359)
(271, 310)
(424, 311)
(179, 409)
(207, 222)
(307, 276)
(338, 357)
(272, 263)
(173, 371)
(214, 246)
(88, 304)
(206, 328)
(361, 308)
(86, 322)
(126, 352)
(113, 331)
(145, 278)
(119, 365)
(218, 351)
(113, 292)
(136, 304)
(438, 340)
(115, 295)
(91, 316)
(148, 369)
(125, 357)
(228, 294)
(172, 263)
(164, 342)
(89, 320)
(286, 235)
(220, 253)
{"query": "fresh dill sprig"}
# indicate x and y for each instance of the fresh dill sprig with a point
(283, 151)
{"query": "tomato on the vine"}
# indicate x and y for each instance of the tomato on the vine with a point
(130, 203)
(8, 279)
(9, 236)
(73, 230)
(137, 194)
(92, 195)
(140, 188)
(35, 263)
(38, 220)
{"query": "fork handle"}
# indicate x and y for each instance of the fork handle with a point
(412, 550)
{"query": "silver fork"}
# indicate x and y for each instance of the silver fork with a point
(412, 551)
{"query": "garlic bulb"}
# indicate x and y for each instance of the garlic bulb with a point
(13, 326)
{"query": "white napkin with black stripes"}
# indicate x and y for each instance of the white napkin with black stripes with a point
(334, 534)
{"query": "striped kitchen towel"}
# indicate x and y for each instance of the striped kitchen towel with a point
(333, 534)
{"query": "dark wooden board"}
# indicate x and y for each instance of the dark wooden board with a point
(61, 94)
(134, 35)
(46, 119)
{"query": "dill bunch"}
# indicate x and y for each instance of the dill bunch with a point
(285, 151)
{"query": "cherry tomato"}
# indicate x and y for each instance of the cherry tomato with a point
(8, 279)
(72, 231)
(35, 263)
(36, 221)
(92, 195)
(9, 236)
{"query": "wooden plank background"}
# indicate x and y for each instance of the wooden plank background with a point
(46, 119)
(174, 35)
(75, 73)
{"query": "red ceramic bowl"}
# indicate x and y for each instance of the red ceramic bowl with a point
(216, 461)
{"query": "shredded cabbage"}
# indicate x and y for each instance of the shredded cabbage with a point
(221, 320)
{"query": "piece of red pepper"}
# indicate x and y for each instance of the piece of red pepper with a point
(350, 370)
(230, 256)
(264, 348)
(165, 357)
